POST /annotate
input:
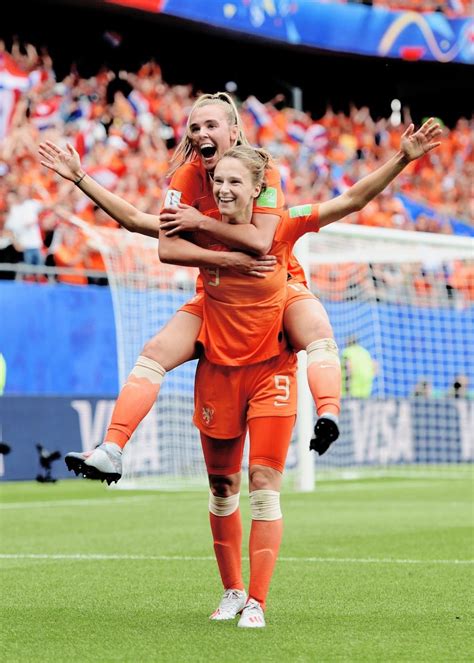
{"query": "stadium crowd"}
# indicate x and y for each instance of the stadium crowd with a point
(126, 126)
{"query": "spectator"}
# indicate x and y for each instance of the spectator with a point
(71, 251)
(23, 223)
(8, 252)
(358, 370)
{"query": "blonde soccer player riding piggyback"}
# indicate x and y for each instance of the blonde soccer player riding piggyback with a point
(213, 127)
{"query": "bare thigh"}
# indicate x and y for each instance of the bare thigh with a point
(305, 321)
(175, 343)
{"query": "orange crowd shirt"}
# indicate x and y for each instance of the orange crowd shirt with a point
(191, 185)
(243, 315)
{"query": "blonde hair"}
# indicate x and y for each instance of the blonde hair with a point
(255, 159)
(184, 150)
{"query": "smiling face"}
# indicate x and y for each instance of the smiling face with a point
(234, 190)
(210, 133)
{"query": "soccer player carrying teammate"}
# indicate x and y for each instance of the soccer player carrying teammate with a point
(261, 373)
(213, 127)
(246, 377)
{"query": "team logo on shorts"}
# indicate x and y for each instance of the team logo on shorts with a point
(207, 414)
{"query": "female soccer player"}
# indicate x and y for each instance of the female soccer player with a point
(247, 374)
(265, 384)
(213, 126)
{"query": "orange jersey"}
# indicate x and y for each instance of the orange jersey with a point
(243, 316)
(191, 185)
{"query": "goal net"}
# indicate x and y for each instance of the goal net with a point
(406, 298)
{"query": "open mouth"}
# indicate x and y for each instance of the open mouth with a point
(208, 151)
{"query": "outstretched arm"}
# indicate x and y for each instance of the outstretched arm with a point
(256, 237)
(413, 145)
(68, 164)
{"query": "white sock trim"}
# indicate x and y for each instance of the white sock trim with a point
(325, 350)
(150, 369)
(223, 506)
(265, 505)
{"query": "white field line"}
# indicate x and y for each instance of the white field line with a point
(5, 506)
(79, 557)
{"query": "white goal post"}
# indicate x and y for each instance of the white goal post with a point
(407, 297)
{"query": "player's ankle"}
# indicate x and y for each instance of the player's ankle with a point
(329, 415)
(113, 446)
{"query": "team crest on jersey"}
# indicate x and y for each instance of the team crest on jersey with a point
(207, 414)
(267, 198)
(172, 198)
(299, 210)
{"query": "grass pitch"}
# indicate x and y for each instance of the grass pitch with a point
(375, 570)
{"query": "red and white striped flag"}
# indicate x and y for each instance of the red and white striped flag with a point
(258, 111)
(12, 77)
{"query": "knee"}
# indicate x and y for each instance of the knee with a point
(155, 349)
(224, 486)
(319, 327)
(264, 478)
(312, 323)
(323, 329)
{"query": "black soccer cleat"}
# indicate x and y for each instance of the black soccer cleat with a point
(104, 463)
(75, 465)
(326, 431)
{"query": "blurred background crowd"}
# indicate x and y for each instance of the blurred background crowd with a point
(126, 124)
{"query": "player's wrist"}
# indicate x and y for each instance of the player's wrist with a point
(226, 259)
(203, 224)
(402, 158)
(79, 177)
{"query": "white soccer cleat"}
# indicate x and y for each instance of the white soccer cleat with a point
(231, 604)
(103, 463)
(252, 615)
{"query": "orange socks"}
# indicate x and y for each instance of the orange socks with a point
(264, 544)
(227, 535)
(265, 538)
(324, 375)
(135, 400)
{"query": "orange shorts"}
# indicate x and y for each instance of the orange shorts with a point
(195, 305)
(227, 397)
(269, 438)
(295, 291)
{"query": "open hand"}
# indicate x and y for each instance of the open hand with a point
(64, 162)
(414, 144)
